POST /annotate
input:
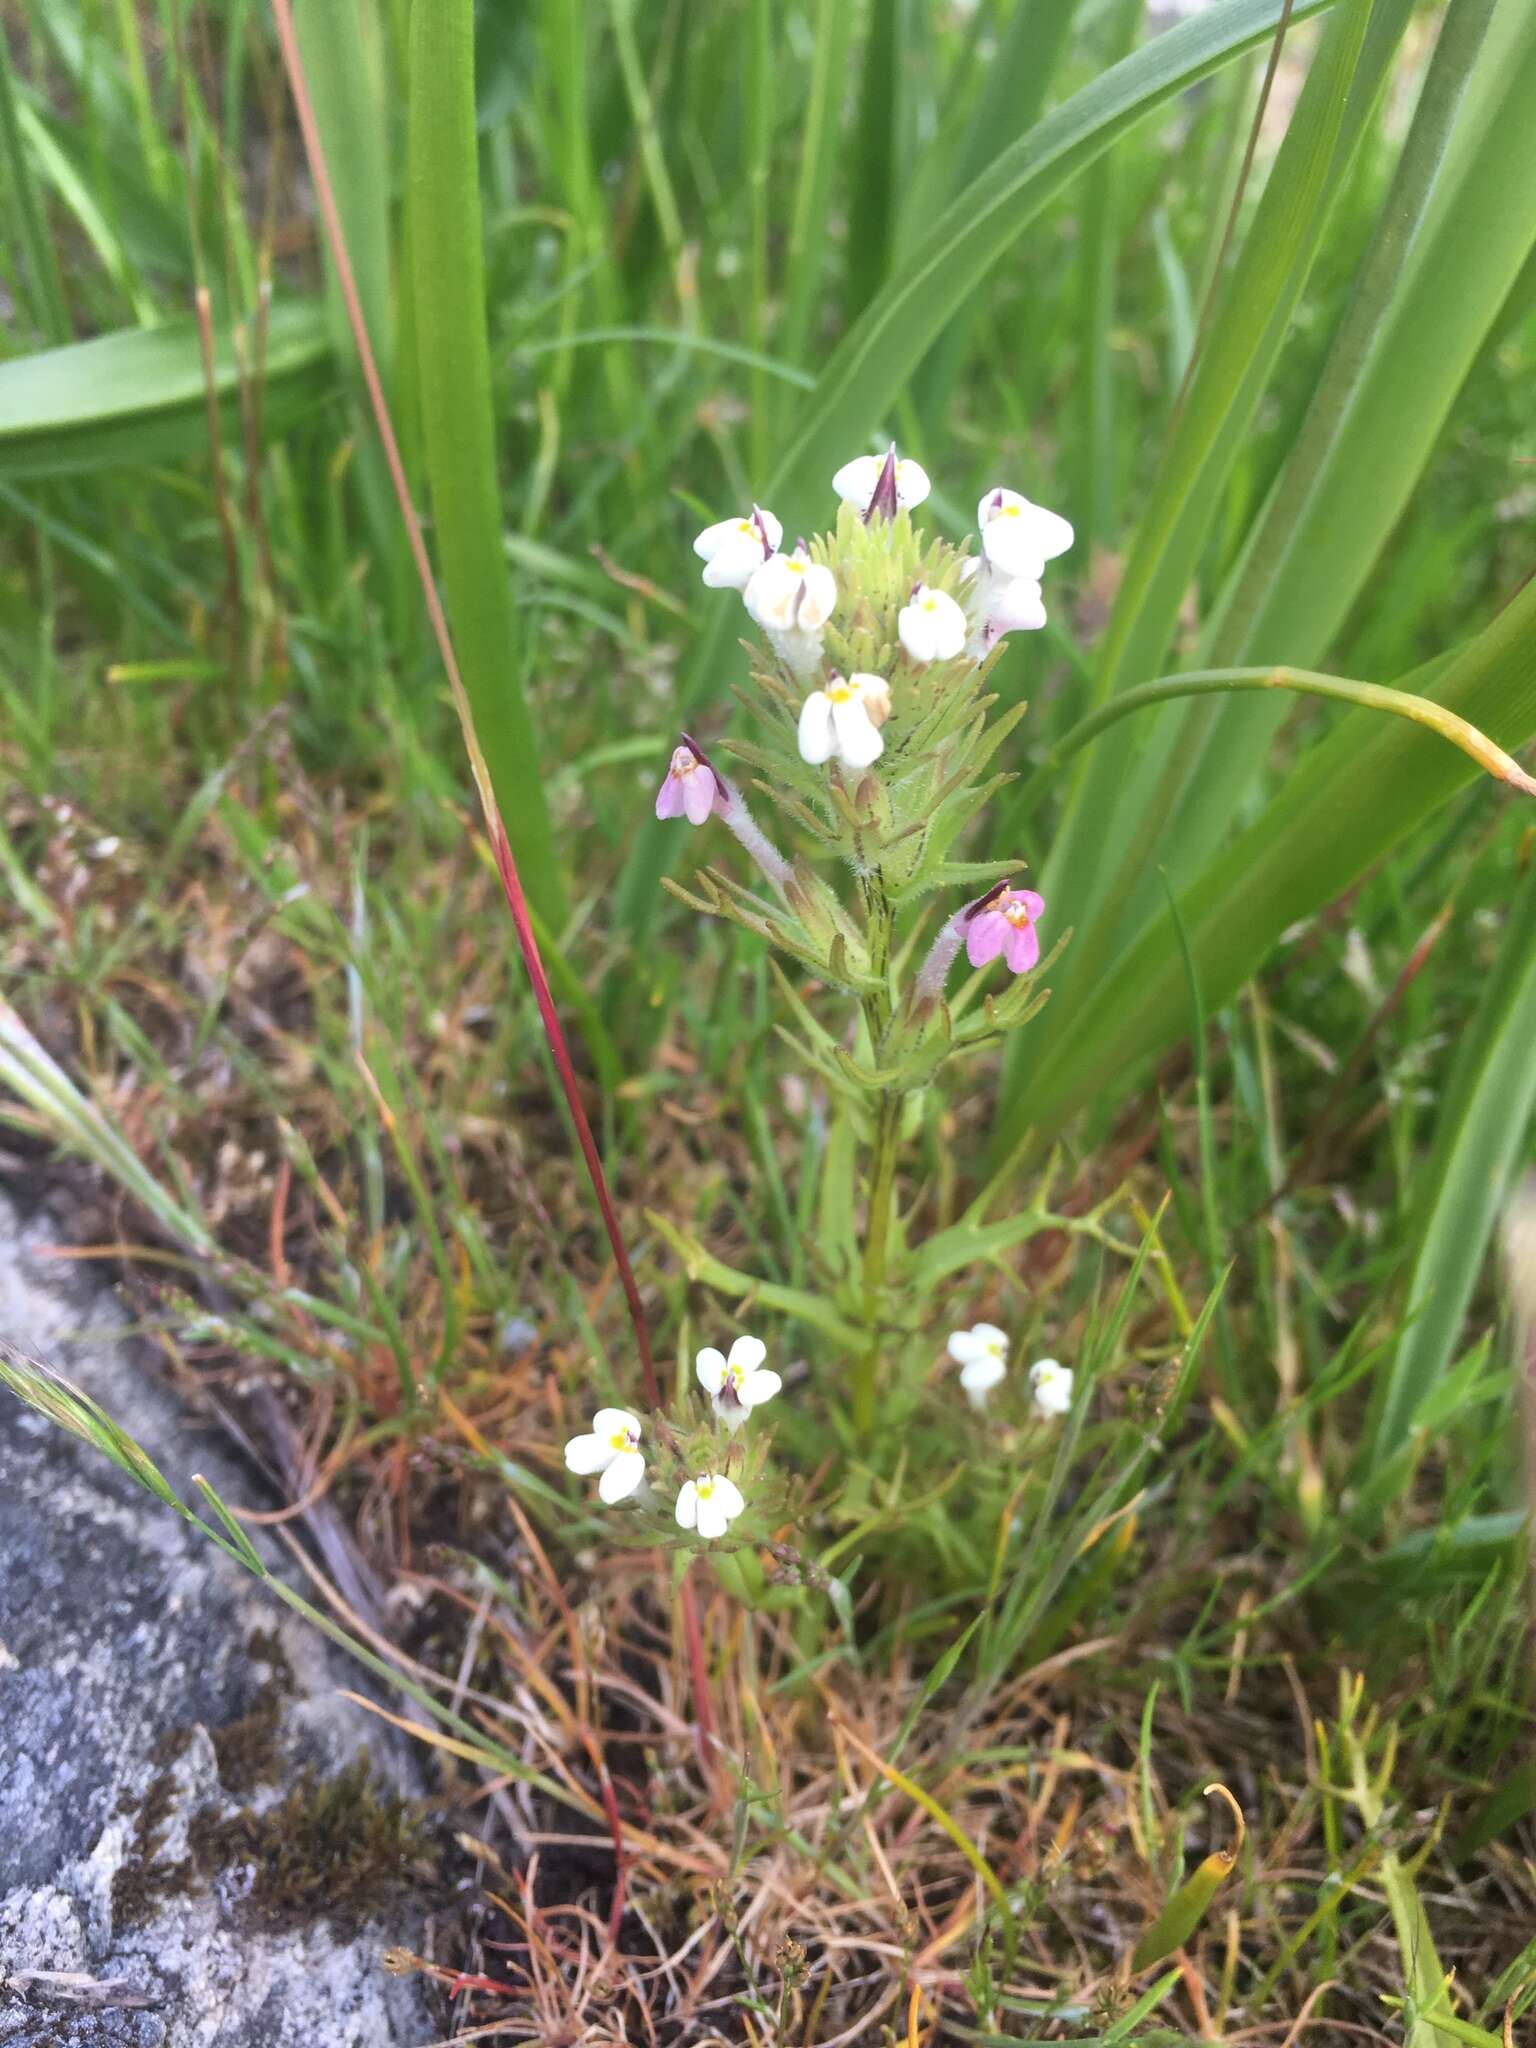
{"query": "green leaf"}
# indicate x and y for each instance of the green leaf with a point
(1349, 801)
(806, 252)
(807, 1308)
(1440, 267)
(1098, 856)
(1398, 362)
(341, 45)
(964, 1244)
(1016, 83)
(873, 180)
(1479, 1143)
(1505, 1806)
(29, 221)
(1188, 1905)
(1149, 2000)
(448, 286)
(138, 396)
(871, 363)
(339, 41)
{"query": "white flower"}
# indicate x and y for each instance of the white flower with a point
(1015, 605)
(843, 720)
(791, 597)
(998, 605)
(613, 1449)
(791, 591)
(855, 481)
(1019, 538)
(982, 1356)
(932, 626)
(709, 1504)
(1053, 1387)
(733, 550)
(737, 1384)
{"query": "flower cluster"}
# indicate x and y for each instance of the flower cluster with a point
(981, 1353)
(873, 633)
(709, 1502)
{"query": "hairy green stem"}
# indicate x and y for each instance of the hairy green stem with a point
(877, 1240)
(882, 1164)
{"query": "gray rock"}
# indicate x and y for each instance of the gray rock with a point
(155, 1704)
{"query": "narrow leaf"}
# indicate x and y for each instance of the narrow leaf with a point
(459, 424)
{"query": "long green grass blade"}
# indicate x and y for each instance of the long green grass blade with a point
(1480, 1140)
(1093, 496)
(1365, 467)
(460, 433)
(1098, 855)
(341, 44)
(343, 62)
(1441, 265)
(872, 178)
(1016, 84)
(869, 366)
(27, 212)
(138, 396)
(806, 254)
(1349, 802)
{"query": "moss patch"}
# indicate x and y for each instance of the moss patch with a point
(143, 1879)
(337, 1848)
(247, 1749)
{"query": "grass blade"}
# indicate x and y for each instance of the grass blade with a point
(42, 259)
(874, 359)
(1437, 273)
(1479, 1142)
(1088, 867)
(138, 396)
(448, 288)
(806, 252)
(1347, 804)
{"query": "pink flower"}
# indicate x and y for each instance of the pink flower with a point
(691, 789)
(1006, 924)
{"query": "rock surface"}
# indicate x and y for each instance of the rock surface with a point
(157, 1708)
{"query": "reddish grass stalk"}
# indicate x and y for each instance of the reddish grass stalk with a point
(505, 863)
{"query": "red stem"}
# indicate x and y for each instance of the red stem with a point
(506, 865)
(560, 1052)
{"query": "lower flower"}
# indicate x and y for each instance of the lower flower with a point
(709, 1504)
